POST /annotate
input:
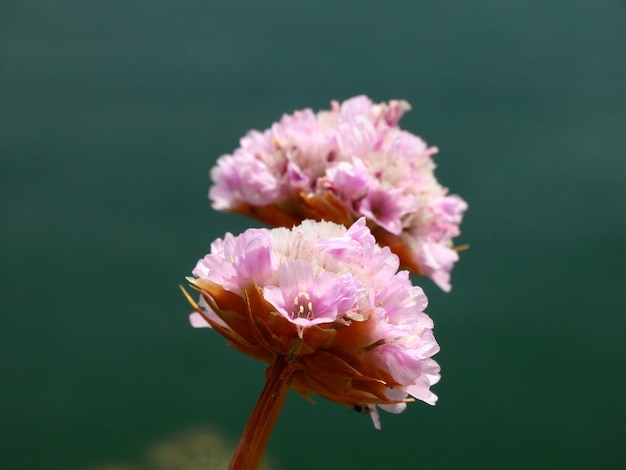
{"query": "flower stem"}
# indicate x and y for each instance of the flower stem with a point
(249, 452)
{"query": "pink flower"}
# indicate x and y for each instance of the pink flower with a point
(305, 299)
(342, 164)
(331, 302)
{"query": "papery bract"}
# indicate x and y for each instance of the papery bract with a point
(341, 164)
(331, 302)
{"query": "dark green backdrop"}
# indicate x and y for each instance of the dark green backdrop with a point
(112, 114)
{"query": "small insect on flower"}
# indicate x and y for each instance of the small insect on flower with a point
(363, 409)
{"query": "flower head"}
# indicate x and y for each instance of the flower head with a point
(342, 164)
(331, 302)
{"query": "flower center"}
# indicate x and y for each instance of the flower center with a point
(302, 306)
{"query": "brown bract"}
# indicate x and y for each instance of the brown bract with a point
(331, 360)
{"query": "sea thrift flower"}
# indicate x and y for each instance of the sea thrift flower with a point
(327, 307)
(340, 165)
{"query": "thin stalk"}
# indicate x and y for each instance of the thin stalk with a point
(249, 452)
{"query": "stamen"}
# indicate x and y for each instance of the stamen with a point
(303, 309)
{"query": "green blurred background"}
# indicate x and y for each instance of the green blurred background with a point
(112, 114)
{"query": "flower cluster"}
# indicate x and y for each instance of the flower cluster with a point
(328, 300)
(348, 162)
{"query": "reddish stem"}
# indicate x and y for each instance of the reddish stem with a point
(249, 452)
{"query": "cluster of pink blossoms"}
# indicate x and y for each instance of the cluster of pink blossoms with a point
(349, 162)
(332, 303)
